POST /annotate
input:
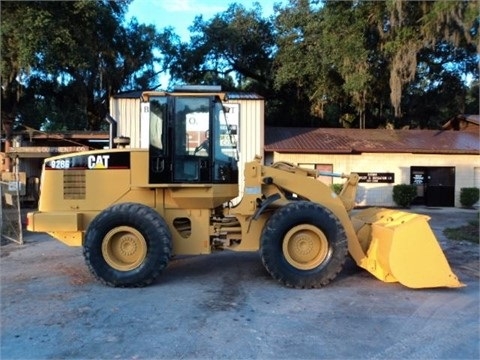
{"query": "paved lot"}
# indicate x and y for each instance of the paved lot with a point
(227, 306)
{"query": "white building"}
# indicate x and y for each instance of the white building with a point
(439, 162)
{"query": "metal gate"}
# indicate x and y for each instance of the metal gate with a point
(10, 210)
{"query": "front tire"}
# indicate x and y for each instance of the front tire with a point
(127, 245)
(303, 245)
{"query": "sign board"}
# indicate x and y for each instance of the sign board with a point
(12, 182)
(13, 186)
(48, 149)
(418, 178)
(373, 177)
(231, 132)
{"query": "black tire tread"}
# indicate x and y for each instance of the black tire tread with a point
(152, 226)
(280, 222)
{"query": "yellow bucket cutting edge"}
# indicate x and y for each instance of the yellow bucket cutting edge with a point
(401, 246)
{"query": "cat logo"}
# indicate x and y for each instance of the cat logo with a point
(98, 161)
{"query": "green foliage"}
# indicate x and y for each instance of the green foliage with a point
(66, 58)
(234, 45)
(469, 196)
(337, 188)
(364, 54)
(403, 194)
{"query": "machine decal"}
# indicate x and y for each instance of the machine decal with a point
(253, 190)
(60, 164)
(98, 161)
(91, 162)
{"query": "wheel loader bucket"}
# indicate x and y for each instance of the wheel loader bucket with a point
(401, 246)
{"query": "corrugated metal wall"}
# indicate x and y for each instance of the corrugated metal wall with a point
(251, 132)
(126, 111)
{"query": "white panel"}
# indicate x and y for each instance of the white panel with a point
(251, 130)
(127, 113)
(476, 177)
(144, 125)
(233, 120)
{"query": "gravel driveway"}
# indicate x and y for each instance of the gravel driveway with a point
(226, 305)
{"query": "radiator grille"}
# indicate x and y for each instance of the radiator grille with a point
(74, 184)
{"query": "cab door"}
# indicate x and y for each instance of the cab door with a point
(191, 158)
(159, 162)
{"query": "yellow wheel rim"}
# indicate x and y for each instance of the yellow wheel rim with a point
(305, 247)
(124, 248)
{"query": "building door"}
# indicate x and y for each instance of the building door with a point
(435, 185)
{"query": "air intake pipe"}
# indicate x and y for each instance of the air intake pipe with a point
(112, 129)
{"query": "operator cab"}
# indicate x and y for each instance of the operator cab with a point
(190, 140)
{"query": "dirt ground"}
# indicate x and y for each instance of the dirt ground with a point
(226, 305)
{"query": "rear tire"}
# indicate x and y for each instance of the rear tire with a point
(127, 245)
(303, 245)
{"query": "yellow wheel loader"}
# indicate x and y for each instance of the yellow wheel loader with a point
(133, 209)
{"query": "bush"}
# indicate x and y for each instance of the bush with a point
(404, 194)
(337, 188)
(469, 196)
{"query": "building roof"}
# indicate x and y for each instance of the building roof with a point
(463, 123)
(474, 119)
(64, 135)
(243, 96)
(351, 141)
(234, 95)
(32, 143)
(129, 95)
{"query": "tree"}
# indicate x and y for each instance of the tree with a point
(414, 26)
(439, 90)
(234, 48)
(298, 65)
(63, 60)
(357, 52)
(324, 51)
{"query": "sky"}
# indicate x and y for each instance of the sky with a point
(180, 14)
